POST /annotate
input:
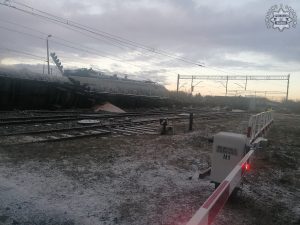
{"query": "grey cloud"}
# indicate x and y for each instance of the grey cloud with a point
(153, 75)
(196, 30)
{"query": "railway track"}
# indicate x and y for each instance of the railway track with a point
(73, 116)
(18, 130)
(148, 126)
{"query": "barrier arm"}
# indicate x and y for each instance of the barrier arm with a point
(209, 210)
(258, 125)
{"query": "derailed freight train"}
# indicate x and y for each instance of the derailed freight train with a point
(83, 88)
(101, 82)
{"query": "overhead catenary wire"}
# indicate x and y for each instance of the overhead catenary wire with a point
(56, 37)
(91, 52)
(44, 33)
(82, 49)
(73, 46)
(21, 32)
(120, 40)
(20, 25)
(117, 39)
(68, 46)
(111, 36)
(23, 53)
(97, 38)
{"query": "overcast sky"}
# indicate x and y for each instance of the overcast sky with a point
(225, 35)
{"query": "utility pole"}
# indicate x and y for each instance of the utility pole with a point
(48, 52)
(246, 83)
(226, 84)
(287, 88)
(178, 77)
(192, 87)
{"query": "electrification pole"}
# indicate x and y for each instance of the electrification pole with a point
(227, 78)
(287, 88)
(226, 84)
(48, 53)
(178, 77)
(192, 87)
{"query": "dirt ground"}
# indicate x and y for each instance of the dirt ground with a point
(150, 179)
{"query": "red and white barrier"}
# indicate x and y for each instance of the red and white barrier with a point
(258, 125)
(209, 210)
